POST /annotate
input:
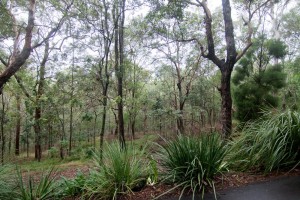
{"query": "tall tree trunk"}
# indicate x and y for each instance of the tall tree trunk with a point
(38, 102)
(226, 102)
(71, 104)
(145, 119)
(119, 17)
(18, 126)
(103, 125)
(104, 78)
(2, 139)
(225, 66)
(133, 112)
(95, 130)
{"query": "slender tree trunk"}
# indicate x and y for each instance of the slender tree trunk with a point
(116, 131)
(9, 142)
(119, 17)
(95, 130)
(2, 139)
(145, 120)
(103, 125)
(104, 78)
(38, 106)
(18, 126)
(71, 105)
(63, 133)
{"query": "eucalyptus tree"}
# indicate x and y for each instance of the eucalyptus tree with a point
(135, 80)
(103, 22)
(119, 23)
(226, 65)
(46, 33)
(23, 34)
(290, 31)
(166, 34)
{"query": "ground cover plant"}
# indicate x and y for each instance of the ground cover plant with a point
(43, 189)
(192, 162)
(7, 184)
(270, 143)
(74, 186)
(120, 171)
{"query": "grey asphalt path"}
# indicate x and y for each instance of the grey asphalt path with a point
(287, 188)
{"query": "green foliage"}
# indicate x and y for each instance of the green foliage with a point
(153, 177)
(53, 152)
(75, 186)
(7, 186)
(193, 162)
(256, 82)
(120, 171)
(89, 152)
(174, 9)
(277, 48)
(6, 22)
(268, 144)
(44, 188)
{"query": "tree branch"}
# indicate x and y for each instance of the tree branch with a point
(3, 62)
(19, 81)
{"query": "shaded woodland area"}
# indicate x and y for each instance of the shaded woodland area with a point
(105, 79)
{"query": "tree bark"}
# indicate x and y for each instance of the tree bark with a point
(18, 126)
(226, 65)
(38, 102)
(17, 58)
(2, 136)
(226, 101)
(119, 17)
(104, 78)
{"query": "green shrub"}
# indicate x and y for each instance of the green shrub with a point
(89, 152)
(75, 186)
(119, 172)
(53, 152)
(267, 144)
(7, 186)
(43, 189)
(193, 162)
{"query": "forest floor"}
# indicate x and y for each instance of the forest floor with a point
(223, 182)
(69, 169)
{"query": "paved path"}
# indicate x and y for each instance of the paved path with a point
(287, 188)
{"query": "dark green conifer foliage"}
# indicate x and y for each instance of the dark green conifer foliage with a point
(256, 81)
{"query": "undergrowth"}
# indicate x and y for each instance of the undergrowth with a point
(192, 162)
(270, 143)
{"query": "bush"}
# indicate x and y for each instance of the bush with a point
(45, 188)
(53, 152)
(89, 152)
(119, 172)
(75, 186)
(193, 162)
(270, 143)
(7, 186)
